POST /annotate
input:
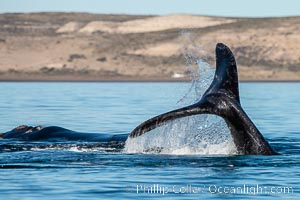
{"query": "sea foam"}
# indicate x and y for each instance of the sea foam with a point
(198, 134)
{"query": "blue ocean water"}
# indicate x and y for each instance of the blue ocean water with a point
(74, 170)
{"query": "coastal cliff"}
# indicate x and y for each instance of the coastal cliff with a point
(98, 47)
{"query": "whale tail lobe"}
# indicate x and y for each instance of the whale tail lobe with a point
(226, 75)
(225, 82)
(221, 99)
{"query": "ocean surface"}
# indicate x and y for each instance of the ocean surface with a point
(87, 170)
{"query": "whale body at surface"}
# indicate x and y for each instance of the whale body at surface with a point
(221, 99)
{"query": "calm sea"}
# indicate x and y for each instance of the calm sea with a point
(77, 170)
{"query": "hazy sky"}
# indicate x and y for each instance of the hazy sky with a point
(245, 8)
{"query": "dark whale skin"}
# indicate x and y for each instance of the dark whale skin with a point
(221, 99)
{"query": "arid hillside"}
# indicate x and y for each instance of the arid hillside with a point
(81, 46)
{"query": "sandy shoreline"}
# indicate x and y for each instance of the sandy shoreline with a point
(81, 47)
(69, 78)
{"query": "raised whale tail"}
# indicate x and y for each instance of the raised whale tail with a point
(221, 99)
(226, 76)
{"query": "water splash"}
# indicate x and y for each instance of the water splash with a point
(200, 83)
(18, 146)
(199, 134)
(199, 71)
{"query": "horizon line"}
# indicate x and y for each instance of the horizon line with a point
(138, 14)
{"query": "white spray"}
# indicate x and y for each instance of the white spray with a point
(199, 134)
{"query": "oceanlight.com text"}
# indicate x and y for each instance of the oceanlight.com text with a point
(212, 189)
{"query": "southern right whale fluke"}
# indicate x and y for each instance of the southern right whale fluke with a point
(221, 99)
